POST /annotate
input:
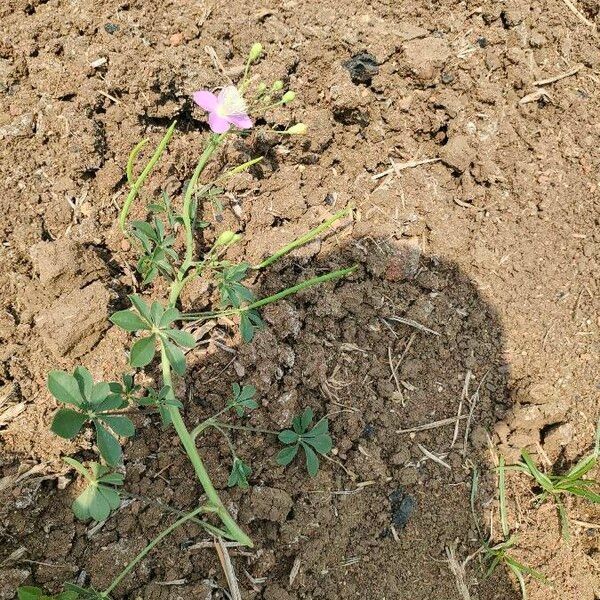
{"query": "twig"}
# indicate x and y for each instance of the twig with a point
(458, 570)
(574, 70)
(535, 96)
(397, 167)
(432, 425)
(433, 457)
(414, 324)
(579, 14)
(225, 559)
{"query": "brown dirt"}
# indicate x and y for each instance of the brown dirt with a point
(495, 247)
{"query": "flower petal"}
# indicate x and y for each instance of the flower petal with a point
(240, 121)
(206, 100)
(218, 124)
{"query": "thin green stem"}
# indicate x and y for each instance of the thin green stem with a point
(150, 546)
(304, 239)
(190, 447)
(274, 298)
(180, 279)
(144, 175)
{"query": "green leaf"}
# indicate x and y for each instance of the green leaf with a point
(183, 338)
(286, 456)
(322, 443)
(64, 387)
(250, 322)
(67, 423)
(109, 446)
(321, 428)
(140, 306)
(306, 418)
(113, 402)
(81, 505)
(112, 478)
(239, 474)
(170, 315)
(128, 320)
(287, 436)
(175, 357)
(156, 312)
(111, 496)
(78, 467)
(312, 461)
(85, 381)
(100, 392)
(119, 424)
(142, 352)
(28, 592)
(99, 508)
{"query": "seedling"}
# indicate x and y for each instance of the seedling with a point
(494, 554)
(574, 482)
(316, 439)
(166, 240)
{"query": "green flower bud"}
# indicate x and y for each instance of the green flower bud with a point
(266, 99)
(225, 238)
(288, 97)
(255, 51)
(297, 129)
(262, 86)
(277, 85)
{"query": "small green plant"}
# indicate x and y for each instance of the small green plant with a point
(316, 439)
(573, 482)
(495, 554)
(167, 246)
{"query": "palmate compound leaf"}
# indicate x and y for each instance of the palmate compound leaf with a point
(95, 402)
(243, 397)
(100, 496)
(250, 323)
(28, 592)
(240, 472)
(316, 440)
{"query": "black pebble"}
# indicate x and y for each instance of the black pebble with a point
(482, 42)
(111, 28)
(362, 67)
(447, 78)
(403, 505)
(368, 431)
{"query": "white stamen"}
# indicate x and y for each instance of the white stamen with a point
(231, 103)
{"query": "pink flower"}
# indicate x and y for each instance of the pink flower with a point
(224, 110)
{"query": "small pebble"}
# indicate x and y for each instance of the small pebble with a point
(482, 42)
(176, 39)
(111, 28)
(125, 245)
(447, 78)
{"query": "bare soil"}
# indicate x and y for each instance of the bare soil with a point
(493, 249)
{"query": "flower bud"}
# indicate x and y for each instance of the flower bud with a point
(262, 87)
(266, 99)
(225, 238)
(297, 129)
(288, 97)
(277, 85)
(255, 51)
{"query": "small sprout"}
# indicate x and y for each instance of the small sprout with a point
(288, 97)
(93, 402)
(100, 496)
(157, 249)
(255, 51)
(161, 400)
(573, 482)
(250, 323)
(233, 293)
(317, 439)
(157, 321)
(277, 85)
(240, 472)
(297, 129)
(243, 397)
